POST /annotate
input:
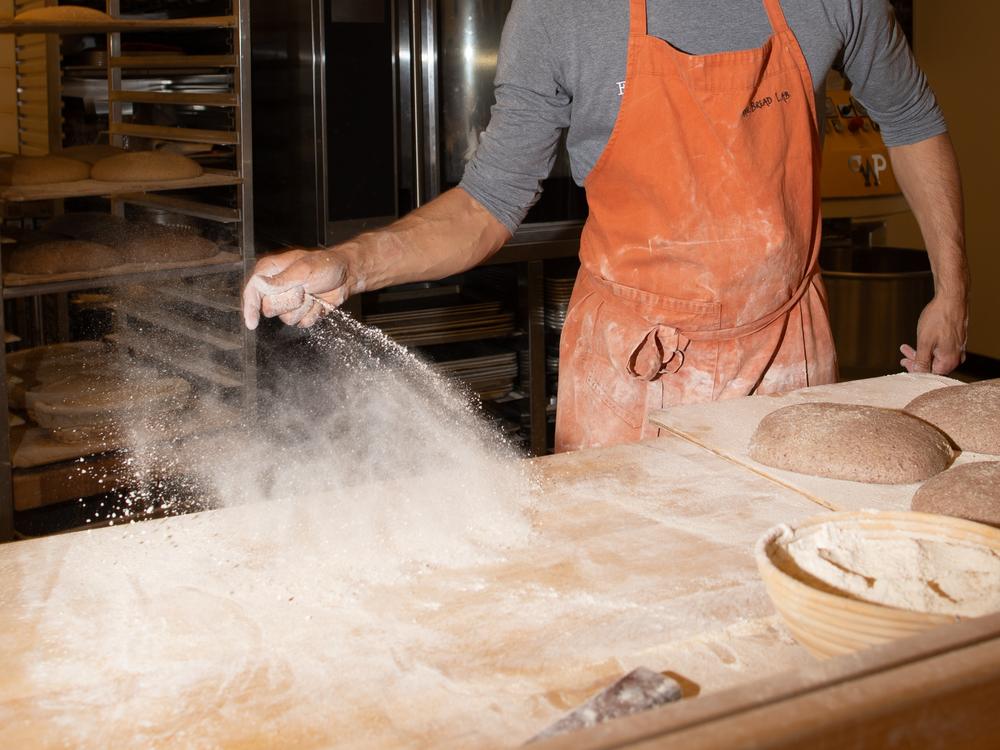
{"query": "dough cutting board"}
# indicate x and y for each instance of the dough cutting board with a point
(220, 627)
(725, 428)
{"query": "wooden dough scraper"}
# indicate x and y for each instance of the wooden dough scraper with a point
(639, 690)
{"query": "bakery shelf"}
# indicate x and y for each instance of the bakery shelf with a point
(192, 98)
(80, 188)
(159, 349)
(454, 338)
(101, 282)
(9, 26)
(213, 79)
(166, 133)
(29, 67)
(67, 480)
(99, 72)
(217, 339)
(173, 62)
(48, 472)
(197, 297)
(221, 214)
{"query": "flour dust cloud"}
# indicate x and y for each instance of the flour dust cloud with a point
(361, 453)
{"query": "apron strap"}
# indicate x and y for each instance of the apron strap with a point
(747, 329)
(661, 347)
(637, 18)
(776, 16)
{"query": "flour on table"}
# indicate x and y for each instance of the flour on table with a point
(366, 471)
(918, 573)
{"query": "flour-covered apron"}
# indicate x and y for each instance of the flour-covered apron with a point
(699, 277)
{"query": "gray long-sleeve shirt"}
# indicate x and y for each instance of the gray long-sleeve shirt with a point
(561, 63)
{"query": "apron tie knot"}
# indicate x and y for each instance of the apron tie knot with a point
(661, 350)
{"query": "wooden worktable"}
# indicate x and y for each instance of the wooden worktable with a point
(642, 555)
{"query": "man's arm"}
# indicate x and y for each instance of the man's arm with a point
(449, 235)
(887, 80)
(927, 171)
(463, 226)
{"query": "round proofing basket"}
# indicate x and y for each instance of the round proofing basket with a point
(829, 624)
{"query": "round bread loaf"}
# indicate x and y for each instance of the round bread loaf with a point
(61, 256)
(138, 241)
(968, 414)
(846, 441)
(73, 385)
(970, 491)
(42, 170)
(45, 364)
(156, 243)
(141, 166)
(83, 406)
(91, 152)
(64, 13)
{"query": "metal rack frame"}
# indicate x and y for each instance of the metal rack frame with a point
(240, 138)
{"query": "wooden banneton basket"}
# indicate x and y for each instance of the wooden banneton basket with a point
(830, 624)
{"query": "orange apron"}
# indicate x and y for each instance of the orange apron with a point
(699, 277)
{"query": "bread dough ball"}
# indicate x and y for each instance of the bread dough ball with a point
(61, 256)
(63, 13)
(968, 414)
(42, 170)
(142, 166)
(970, 491)
(91, 152)
(156, 243)
(846, 441)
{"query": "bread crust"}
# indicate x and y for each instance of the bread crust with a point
(142, 166)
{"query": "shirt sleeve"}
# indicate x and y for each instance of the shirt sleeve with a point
(885, 77)
(518, 148)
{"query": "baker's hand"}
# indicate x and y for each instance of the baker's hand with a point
(941, 335)
(281, 283)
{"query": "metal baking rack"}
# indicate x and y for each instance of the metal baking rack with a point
(177, 299)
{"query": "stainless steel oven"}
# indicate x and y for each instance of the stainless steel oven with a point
(364, 110)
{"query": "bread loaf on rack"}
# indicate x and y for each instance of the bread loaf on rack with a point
(27, 368)
(63, 14)
(105, 406)
(61, 256)
(146, 166)
(138, 241)
(157, 243)
(19, 171)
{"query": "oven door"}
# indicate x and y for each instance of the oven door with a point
(365, 110)
(409, 92)
(459, 44)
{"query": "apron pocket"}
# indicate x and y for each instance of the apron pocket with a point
(622, 394)
(616, 332)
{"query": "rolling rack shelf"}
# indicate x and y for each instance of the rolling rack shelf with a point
(83, 188)
(179, 271)
(36, 470)
(117, 25)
